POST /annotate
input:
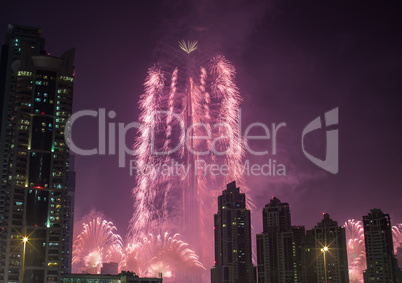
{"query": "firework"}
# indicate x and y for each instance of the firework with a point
(197, 93)
(397, 235)
(356, 250)
(98, 243)
(188, 47)
(162, 254)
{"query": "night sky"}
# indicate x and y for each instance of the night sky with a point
(294, 62)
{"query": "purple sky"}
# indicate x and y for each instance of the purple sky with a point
(294, 62)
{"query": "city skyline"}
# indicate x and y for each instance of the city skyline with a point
(376, 164)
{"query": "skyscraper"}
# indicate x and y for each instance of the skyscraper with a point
(381, 262)
(324, 254)
(275, 246)
(37, 101)
(233, 254)
(11, 52)
(69, 217)
(298, 233)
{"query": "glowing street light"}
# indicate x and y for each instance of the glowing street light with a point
(25, 240)
(324, 250)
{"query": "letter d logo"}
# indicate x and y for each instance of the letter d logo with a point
(330, 163)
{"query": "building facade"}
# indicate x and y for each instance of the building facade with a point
(69, 217)
(324, 254)
(111, 268)
(275, 246)
(381, 261)
(11, 52)
(232, 224)
(37, 101)
(299, 233)
(123, 277)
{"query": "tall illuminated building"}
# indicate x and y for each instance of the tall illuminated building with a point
(69, 217)
(275, 246)
(299, 233)
(36, 95)
(233, 256)
(324, 254)
(381, 262)
(11, 52)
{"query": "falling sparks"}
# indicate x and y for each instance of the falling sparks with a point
(98, 243)
(161, 254)
(357, 250)
(195, 96)
(397, 235)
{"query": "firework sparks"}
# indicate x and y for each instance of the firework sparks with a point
(356, 250)
(198, 98)
(188, 47)
(161, 254)
(397, 235)
(98, 243)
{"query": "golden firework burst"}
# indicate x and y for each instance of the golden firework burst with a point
(188, 46)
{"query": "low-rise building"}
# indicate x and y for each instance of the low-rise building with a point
(124, 277)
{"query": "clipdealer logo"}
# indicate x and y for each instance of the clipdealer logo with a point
(329, 164)
(331, 161)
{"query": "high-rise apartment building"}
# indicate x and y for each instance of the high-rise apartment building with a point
(381, 262)
(324, 254)
(36, 94)
(69, 217)
(275, 246)
(11, 52)
(233, 256)
(298, 233)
